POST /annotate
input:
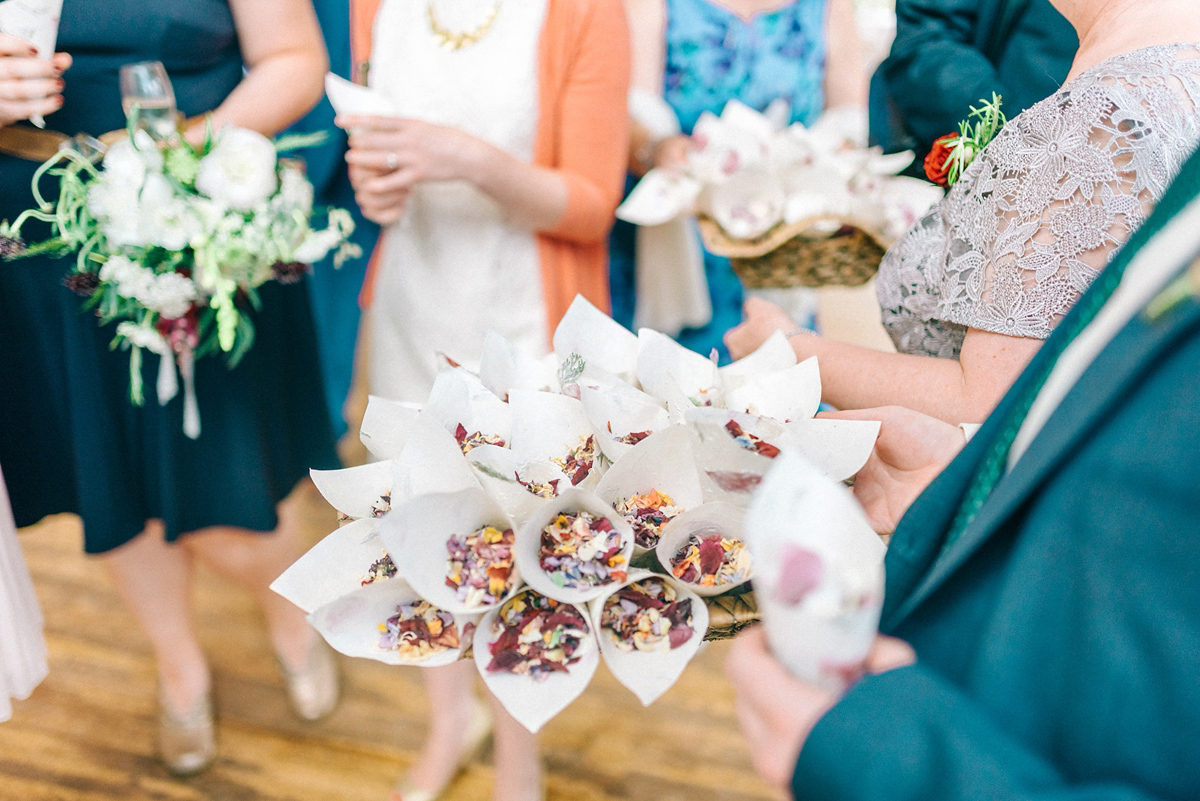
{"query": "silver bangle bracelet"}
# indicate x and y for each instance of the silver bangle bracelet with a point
(795, 331)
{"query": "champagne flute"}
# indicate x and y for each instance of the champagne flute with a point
(149, 99)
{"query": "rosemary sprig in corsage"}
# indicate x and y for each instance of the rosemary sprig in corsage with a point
(953, 153)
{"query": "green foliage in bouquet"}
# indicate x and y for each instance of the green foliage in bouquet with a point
(172, 240)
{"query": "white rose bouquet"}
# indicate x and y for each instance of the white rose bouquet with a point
(171, 241)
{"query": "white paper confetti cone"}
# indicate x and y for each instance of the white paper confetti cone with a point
(430, 462)
(351, 624)
(773, 355)
(501, 472)
(838, 448)
(664, 461)
(461, 403)
(552, 427)
(819, 584)
(664, 368)
(598, 338)
(386, 425)
(704, 521)
(529, 539)
(358, 492)
(417, 533)
(531, 701)
(661, 196)
(649, 674)
(504, 367)
(622, 413)
(793, 393)
(335, 566)
(728, 471)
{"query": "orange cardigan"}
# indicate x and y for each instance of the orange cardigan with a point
(582, 132)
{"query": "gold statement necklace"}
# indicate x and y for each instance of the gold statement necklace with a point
(457, 40)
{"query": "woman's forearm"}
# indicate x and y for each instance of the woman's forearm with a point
(531, 196)
(957, 391)
(286, 62)
(273, 94)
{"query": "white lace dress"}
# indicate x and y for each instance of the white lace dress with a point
(22, 647)
(454, 266)
(1045, 206)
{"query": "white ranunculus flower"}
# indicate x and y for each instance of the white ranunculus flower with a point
(170, 294)
(128, 161)
(168, 222)
(295, 191)
(143, 336)
(131, 279)
(240, 169)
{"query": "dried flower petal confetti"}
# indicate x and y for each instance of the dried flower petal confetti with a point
(647, 616)
(711, 560)
(479, 566)
(473, 440)
(382, 506)
(579, 549)
(579, 460)
(632, 438)
(536, 636)
(751, 442)
(381, 569)
(647, 513)
(418, 630)
(542, 489)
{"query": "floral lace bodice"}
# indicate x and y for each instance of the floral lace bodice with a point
(1045, 206)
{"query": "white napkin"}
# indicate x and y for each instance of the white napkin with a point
(350, 98)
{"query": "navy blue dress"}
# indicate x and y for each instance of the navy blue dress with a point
(70, 441)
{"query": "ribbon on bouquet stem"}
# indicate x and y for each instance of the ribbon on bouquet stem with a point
(168, 385)
(191, 410)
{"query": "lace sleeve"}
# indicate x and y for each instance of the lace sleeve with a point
(1055, 195)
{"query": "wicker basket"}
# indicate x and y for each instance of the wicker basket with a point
(797, 255)
(730, 613)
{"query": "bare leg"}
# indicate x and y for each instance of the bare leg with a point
(451, 698)
(253, 560)
(154, 579)
(518, 766)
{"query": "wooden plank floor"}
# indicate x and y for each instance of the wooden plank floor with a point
(87, 732)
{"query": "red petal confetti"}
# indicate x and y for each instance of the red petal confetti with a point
(536, 636)
(751, 442)
(418, 630)
(645, 616)
(711, 561)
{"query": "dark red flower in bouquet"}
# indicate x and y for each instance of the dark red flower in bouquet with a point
(289, 272)
(82, 284)
(937, 163)
(180, 331)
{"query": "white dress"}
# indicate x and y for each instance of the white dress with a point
(22, 647)
(453, 267)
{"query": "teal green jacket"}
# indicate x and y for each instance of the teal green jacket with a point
(1058, 638)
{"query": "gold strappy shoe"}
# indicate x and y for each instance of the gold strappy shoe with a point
(313, 689)
(187, 743)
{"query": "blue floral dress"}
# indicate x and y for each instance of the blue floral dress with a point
(714, 56)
